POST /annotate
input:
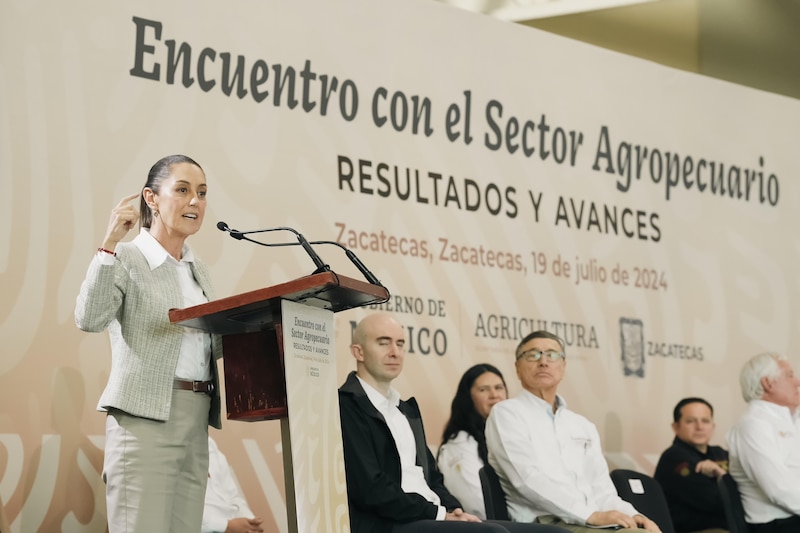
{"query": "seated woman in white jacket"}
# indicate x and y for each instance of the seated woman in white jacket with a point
(463, 451)
(226, 510)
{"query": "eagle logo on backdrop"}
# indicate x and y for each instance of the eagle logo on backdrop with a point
(631, 332)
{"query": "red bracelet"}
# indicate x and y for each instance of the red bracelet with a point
(101, 249)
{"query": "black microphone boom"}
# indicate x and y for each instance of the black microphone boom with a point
(356, 261)
(321, 267)
(242, 235)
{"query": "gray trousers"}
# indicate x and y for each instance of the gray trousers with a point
(156, 472)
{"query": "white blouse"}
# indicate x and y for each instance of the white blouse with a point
(459, 463)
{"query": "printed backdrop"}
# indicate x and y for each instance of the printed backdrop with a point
(497, 179)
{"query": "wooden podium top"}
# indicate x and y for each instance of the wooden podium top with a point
(256, 310)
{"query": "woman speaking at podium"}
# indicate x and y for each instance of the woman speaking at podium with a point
(162, 389)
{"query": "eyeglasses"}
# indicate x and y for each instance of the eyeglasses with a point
(531, 356)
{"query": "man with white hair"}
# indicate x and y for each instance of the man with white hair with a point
(764, 445)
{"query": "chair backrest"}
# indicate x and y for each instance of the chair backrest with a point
(494, 499)
(732, 503)
(644, 493)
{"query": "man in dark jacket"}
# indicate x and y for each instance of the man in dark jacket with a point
(393, 485)
(688, 470)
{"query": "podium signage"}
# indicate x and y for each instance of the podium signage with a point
(312, 445)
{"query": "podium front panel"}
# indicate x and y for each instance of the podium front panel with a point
(317, 455)
(255, 387)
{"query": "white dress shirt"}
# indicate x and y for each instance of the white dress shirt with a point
(549, 463)
(195, 354)
(764, 449)
(412, 475)
(459, 462)
(224, 501)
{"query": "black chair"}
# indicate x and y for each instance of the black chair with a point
(732, 503)
(494, 499)
(644, 493)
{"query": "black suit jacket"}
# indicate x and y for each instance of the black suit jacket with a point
(372, 465)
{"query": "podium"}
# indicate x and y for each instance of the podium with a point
(279, 363)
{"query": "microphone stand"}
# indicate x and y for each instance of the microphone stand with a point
(242, 235)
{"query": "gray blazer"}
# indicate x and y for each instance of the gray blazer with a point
(132, 301)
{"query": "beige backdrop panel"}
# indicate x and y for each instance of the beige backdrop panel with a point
(711, 277)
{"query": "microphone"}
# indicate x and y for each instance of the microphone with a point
(356, 261)
(222, 226)
(242, 235)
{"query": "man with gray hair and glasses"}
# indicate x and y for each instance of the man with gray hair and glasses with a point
(764, 445)
(547, 457)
